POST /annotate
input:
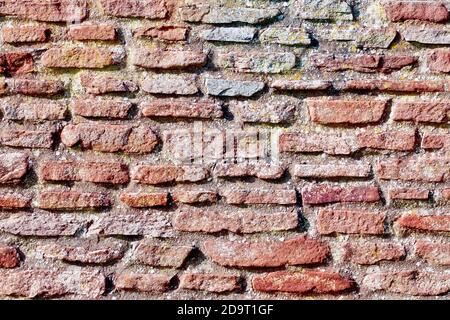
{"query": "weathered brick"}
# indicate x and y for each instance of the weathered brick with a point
(326, 111)
(89, 171)
(424, 223)
(48, 11)
(297, 251)
(150, 9)
(95, 108)
(275, 110)
(238, 222)
(437, 141)
(248, 196)
(230, 88)
(144, 200)
(414, 282)
(408, 194)
(375, 38)
(396, 85)
(162, 255)
(412, 169)
(233, 34)
(52, 283)
(304, 282)
(332, 170)
(16, 63)
(25, 34)
(329, 10)
(158, 174)
(387, 140)
(33, 110)
(14, 201)
(324, 193)
(159, 59)
(285, 36)
(163, 33)
(317, 142)
(300, 85)
(104, 32)
(218, 283)
(416, 10)
(256, 62)
(74, 200)
(9, 257)
(262, 171)
(171, 84)
(366, 253)
(95, 84)
(435, 253)
(422, 111)
(79, 57)
(439, 60)
(39, 224)
(110, 137)
(12, 136)
(84, 251)
(194, 196)
(445, 194)
(143, 282)
(226, 15)
(182, 108)
(430, 35)
(350, 222)
(13, 167)
(35, 87)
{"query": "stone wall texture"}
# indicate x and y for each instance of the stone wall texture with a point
(224, 149)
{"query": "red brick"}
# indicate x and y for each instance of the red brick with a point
(366, 253)
(262, 171)
(327, 111)
(392, 63)
(298, 251)
(387, 140)
(110, 137)
(218, 283)
(209, 221)
(95, 84)
(13, 167)
(159, 174)
(445, 194)
(412, 283)
(202, 109)
(9, 257)
(94, 108)
(300, 85)
(79, 57)
(436, 141)
(143, 282)
(316, 142)
(100, 172)
(248, 196)
(162, 255)
(104, 32)
(302, 282)
(350, 222)
(48, 11)
(51, 283)
(424, 223)
(439, 60)
(144, 200)
(164, 33)
(168, 59)
(322, 193)
(74, 200)
(332, 170)
(396, 85)
(35, 87)
(416, 10)
(33, 110)
(12, 136)
(194, 196)
(39, 224)
(85, 251)
(14, 201)
(412, 169)
(16, 63)
(408, 194)
(422, 111)
(433, 252)
(25, 34)
(150, 9)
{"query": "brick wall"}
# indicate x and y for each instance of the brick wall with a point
(224, 149)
